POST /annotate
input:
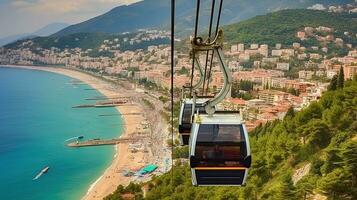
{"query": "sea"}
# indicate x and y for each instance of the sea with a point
(36, 118)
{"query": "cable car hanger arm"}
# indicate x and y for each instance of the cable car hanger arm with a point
(198, 44)
(227, 77)
(199, 83)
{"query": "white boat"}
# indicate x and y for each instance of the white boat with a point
(43, 171)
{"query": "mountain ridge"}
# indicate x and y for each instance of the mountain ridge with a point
(155, 14)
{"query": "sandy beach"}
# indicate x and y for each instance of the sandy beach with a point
(125, 158)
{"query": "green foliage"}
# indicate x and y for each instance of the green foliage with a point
(148, 103)
(242, 85)
(86, 41)
(132, 188)
(293, 91)
(340, 79)
(333, 83)
(163, 99)
(306, 186)
(334, 184)
(183, 71)
(180, 152)
(281, 27)
(147, 84)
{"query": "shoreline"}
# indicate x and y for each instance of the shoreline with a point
(123, 158)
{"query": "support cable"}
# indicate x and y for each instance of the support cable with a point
(172, 86)
(217, 28)
(195, 36)
(209, 39)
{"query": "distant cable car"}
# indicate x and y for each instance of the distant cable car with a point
(219, 150)
(187, 109)
(186, 116)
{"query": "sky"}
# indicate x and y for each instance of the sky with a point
(26, 16)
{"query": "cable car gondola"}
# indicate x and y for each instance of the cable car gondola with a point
(219, 143)
(186, 116)
(219, 150)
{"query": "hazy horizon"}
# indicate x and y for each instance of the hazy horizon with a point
(27, 16)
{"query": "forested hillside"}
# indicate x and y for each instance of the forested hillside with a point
(321, 138)
(282, 26)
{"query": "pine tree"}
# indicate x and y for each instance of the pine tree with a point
(290, 113)
(333, 83)
(340, 79)
(349, 155)
(285, 189)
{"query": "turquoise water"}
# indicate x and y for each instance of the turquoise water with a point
(35, 119)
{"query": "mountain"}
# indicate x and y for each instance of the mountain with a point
(50, 29)
(311, 154)
(156, 14)
(45, 31)
(276, 27)
(281, 26)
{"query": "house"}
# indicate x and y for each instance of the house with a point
(301, 35)
(283, 66)
(306, 74)
(272, 96)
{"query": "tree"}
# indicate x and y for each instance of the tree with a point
(340, 79)
(285, 189)
(333, 185)
(293, 91)
(290, 113)
(349, 156)
(318, 133)
(306, 186)
(333, 83)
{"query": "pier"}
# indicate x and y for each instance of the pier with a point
(99, 142)
(102, 104)
(106, 98)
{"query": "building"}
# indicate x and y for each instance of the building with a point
(283, 66)
(306, 74)
(349, 71)
(254, 46)
(301, 35)
(315, 56)
(234, 48)
(283, 52)
(272, 96)
(241, 47)
(235, 104)
(331, 73)
(296, 45)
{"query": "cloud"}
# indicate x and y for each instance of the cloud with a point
(67, 6)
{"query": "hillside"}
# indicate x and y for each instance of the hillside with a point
(320, 140)
(272, 28)
(281, 26)
(92, 41)
(156, 14)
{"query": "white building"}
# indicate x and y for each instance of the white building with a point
(283, 66)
